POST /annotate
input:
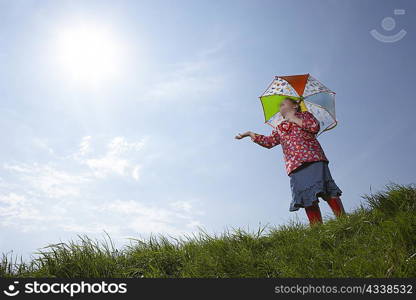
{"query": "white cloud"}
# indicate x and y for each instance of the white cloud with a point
(93, 227)
(182, 205)
(194, 224)
(18, 211)
(213, 50)
(52, 180)
(136, 172)
(106, 165)
(119, 145)
(85, 145)
(147, 218)
(42, 144)
(116, 161)
(12, 199)
(44, 180)
(59, 194)
(190, 79)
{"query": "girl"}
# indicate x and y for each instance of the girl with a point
(305, 161)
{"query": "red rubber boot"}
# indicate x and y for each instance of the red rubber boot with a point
(314, 214)
(336, 205)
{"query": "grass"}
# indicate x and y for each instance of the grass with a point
(378, 239)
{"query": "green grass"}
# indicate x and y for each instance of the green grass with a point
(378, 239)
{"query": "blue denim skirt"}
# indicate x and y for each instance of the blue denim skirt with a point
(310, 181)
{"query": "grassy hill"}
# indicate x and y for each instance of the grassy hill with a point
(378, 239)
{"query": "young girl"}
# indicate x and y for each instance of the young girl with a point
(305, 161)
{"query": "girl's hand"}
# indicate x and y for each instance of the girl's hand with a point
(291, 117)
(243, 135)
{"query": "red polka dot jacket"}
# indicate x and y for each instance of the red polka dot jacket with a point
(299, 143)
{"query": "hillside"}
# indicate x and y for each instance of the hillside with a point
(378, 239)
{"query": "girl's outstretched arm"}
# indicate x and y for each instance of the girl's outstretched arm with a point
(266, 141)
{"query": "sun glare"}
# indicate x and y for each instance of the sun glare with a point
(89, 54)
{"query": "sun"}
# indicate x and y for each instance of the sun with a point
(88, 53)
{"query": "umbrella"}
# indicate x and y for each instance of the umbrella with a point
(313, 95)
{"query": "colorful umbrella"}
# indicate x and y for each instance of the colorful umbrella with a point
(315, 98)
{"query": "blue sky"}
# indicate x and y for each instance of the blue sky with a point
(138, 137)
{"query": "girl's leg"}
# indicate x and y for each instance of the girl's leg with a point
(336, 205)
(314, 214)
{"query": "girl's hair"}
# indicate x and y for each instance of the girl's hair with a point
(298, 109)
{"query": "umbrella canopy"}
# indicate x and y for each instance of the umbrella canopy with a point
(315, 98)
